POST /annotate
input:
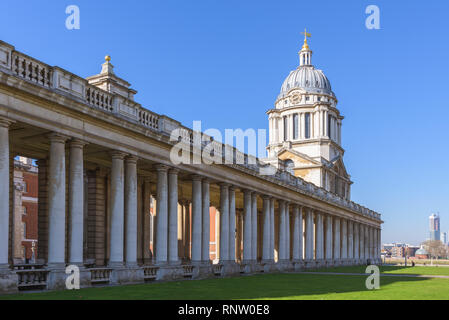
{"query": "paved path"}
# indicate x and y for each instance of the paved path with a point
(382, 274)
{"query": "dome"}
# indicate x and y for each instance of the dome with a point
(421, 251)
(308, 78)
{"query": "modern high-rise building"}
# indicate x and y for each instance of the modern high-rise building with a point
(434, 220)
(444, 238)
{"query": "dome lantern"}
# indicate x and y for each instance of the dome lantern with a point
(305, 55)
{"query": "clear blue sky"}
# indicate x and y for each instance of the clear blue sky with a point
(223, 62)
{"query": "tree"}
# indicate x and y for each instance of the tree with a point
(436, 248)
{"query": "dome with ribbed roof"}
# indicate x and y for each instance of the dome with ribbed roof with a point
(309, 79)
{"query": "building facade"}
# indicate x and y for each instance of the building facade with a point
(112, 201)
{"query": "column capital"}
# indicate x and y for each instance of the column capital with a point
(131, 159)
(232, 187)
(5, 122)
(77, 143)
(266, 197)
(117, 155)
(57, 137)
(196, 177)
(173, 171)
(161, 167)
(247, 191)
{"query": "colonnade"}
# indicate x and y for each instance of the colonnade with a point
(296, 233)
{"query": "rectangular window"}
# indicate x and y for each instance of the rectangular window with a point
(329, 126)
(24, 230)
(285, 129)
(295, 126)
(307, 125)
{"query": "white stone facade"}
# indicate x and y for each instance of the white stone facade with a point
(102, 157)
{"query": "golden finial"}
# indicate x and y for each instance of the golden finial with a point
(306, 35)
(107, 58)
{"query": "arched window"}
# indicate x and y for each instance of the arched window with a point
(295, 126)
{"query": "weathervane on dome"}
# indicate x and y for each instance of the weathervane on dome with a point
(306, 35)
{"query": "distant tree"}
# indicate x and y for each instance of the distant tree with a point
(436, 248)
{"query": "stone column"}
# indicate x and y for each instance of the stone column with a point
(247, 238)
(297, 233)
(131, 210)
(187, 237)
(319, 236)
(5, 184)
(57, 200)
(329, 240)
(205, 248)
(197, 226)
(344, 239)
(309, 234)
(161, 215)
(266, 229)
(337, 239)
(362, 242)
(350, 241)
(287, 231)
(224, 222)
(117, 204)
(366, 241)
(232, 229)
(272, 229)
(76, 202)
(282, 248)
(254, 227)
(147, 257)
(371, 243)
(173, 256)
(356, 242)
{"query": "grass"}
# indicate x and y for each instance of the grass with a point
(267, 286)
(417, 270)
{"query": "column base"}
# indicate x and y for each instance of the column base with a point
(8, 280)
(127, 274)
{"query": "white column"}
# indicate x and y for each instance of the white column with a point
(197, 226)
(76, 202)
(205, 249)
(329, 240)
(337, 238)
(309, 234)
(224, 222)
(173, 256)
(56, 200)
(297, 233)
(117, 203)
(266, 228)
(247, 239)
(232, 230)
(272, 229)
(161, 215)
(254, 227)
(319, 236)
(344, 239)
(362, 241)
(366, 236)
(5, 183)
(131, 210)
(147, 224)
(287, 231)
(281, 233)
(371, 243)
(356, 242)
(350, 240)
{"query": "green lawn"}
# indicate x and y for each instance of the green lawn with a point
(268, 286)
(418, 270)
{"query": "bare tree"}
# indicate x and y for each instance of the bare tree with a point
(436, 248)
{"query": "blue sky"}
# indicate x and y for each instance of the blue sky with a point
(223, 62)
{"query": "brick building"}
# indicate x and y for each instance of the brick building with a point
(25, 209)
